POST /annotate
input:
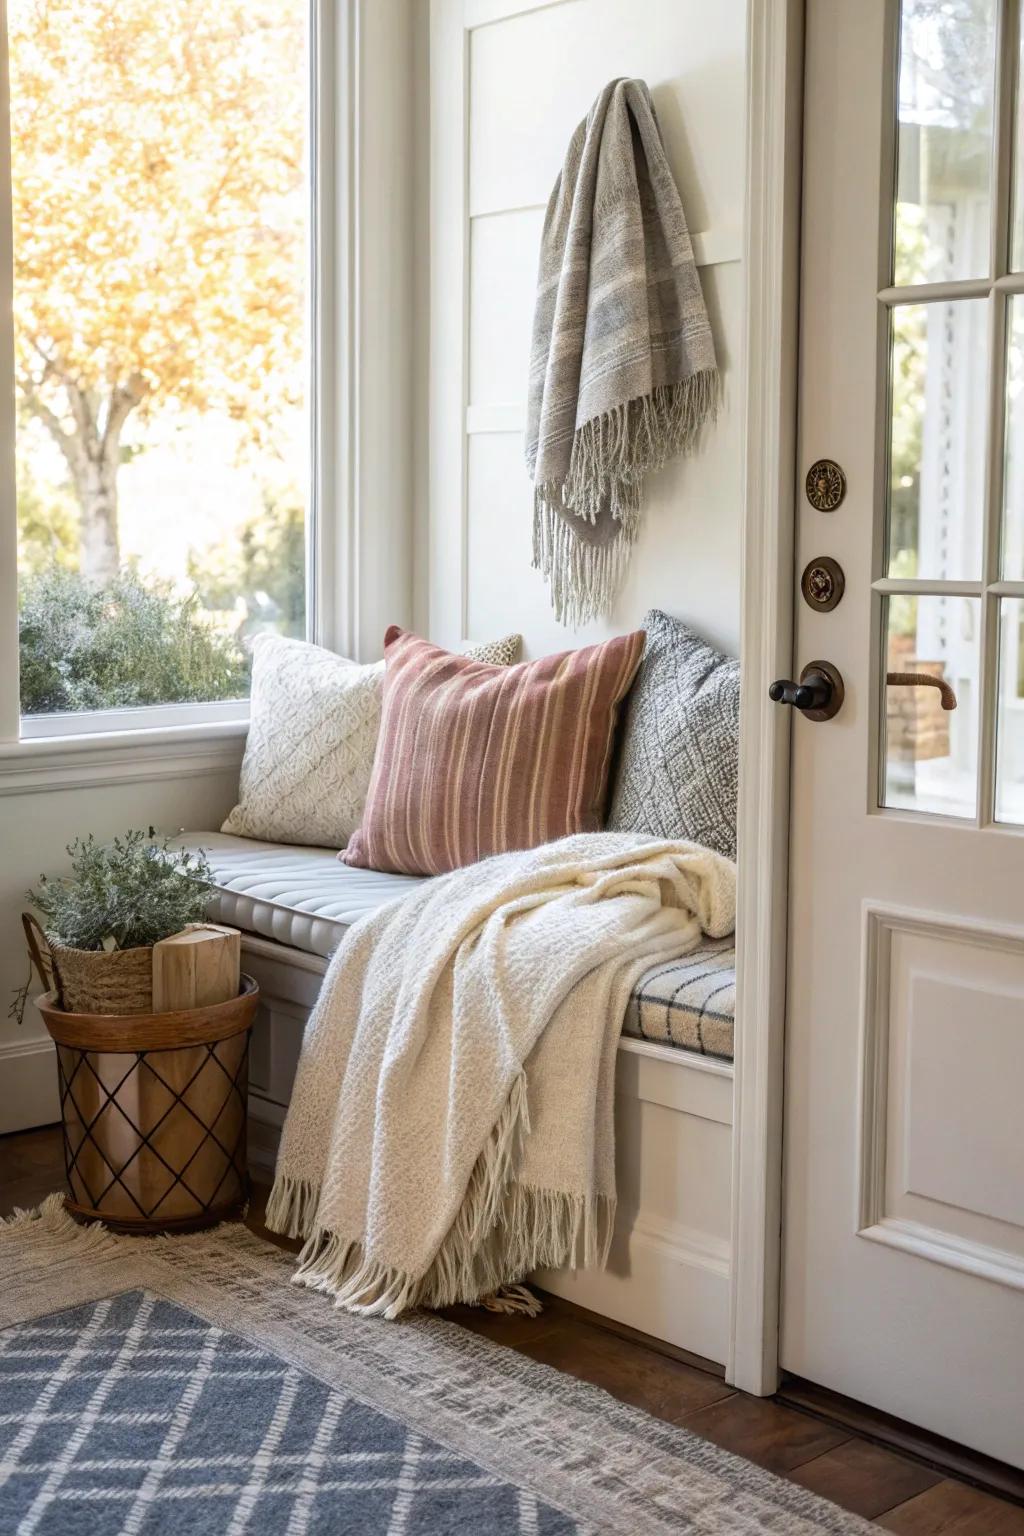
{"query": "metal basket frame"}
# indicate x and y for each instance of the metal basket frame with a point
(237, 1086)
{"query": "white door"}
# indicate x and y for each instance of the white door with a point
(903, 1280)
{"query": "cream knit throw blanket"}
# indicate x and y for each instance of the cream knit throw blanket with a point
(451, 1124)
(622, 368)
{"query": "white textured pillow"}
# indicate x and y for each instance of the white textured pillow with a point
(314, 718)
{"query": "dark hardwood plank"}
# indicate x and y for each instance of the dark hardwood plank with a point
(957, 1461)
(635, 1336)
(765, 1432)
(27, 1192)
(661, 1386)
(513, 1330)
(955, 1509)
(37, 1151)
(864, 1478)
(31, 1167)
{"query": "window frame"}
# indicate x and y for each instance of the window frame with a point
(154, 728)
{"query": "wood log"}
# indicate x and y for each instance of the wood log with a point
(196, 968)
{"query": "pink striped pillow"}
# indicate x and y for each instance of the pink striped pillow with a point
(474, 759)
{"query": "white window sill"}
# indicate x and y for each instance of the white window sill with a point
(110, 722)
(94, 758)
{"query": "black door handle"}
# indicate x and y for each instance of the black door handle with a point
(818, 695)
(810, 695)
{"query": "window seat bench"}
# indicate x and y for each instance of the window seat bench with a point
(669, 1269)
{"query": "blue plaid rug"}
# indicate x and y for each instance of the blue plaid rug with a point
(132, 1416)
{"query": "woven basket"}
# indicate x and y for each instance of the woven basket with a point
(92, 980)
(154, 1109)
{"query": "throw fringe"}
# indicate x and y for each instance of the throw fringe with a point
(503, 1230)
(611, 454)
(291, 1208)
(511, 1299)
(584, 578)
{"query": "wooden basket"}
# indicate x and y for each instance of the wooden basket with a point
(154, 1108)
(92, 980)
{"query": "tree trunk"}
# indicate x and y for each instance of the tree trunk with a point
(93, 455)
(98, 553)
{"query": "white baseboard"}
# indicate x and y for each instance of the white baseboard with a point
(265, 1121)
(28, 1085)
(667, 1281)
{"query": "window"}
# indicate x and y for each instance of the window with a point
(160, 177)
(951, 584)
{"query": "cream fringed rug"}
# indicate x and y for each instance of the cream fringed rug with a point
(183, 1385)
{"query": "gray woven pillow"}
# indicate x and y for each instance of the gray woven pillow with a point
(679, 753)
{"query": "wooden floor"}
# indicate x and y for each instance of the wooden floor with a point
(899, 1493)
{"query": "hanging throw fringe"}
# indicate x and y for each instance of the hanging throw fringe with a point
(611, 454)
(503, 1230)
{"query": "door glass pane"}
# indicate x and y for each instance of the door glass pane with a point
(1013, 478)
(938, 397)
(931, 751)
(160, 183)
(1017, 249)
(944, 162)
(1010, 740)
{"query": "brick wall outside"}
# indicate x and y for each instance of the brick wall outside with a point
(917, 727)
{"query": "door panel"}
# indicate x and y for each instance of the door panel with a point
(904, 1221)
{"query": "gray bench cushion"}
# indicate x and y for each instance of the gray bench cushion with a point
(306, 898)
(299, 896)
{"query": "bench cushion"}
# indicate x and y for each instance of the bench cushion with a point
(305, 898)
(690, 1003)
(298, 896)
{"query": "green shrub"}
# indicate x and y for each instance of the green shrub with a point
(125, 644)
(132, 891)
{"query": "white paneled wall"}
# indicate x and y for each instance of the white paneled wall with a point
(510, 81)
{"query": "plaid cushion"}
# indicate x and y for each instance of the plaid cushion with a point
(690, 1003)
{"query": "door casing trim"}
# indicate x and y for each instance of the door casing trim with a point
(771, 266)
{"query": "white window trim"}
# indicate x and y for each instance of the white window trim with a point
(93, 759)
(160, 740)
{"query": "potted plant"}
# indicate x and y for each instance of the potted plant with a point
(153, 1103)
(102, 920)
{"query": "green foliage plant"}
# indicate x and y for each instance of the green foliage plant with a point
(119, 895)
(120, 645)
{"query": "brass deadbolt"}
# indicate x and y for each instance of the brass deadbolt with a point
(823, 583)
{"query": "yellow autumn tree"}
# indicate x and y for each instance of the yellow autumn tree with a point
(157, 170)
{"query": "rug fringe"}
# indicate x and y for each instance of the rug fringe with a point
(50, 1220)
